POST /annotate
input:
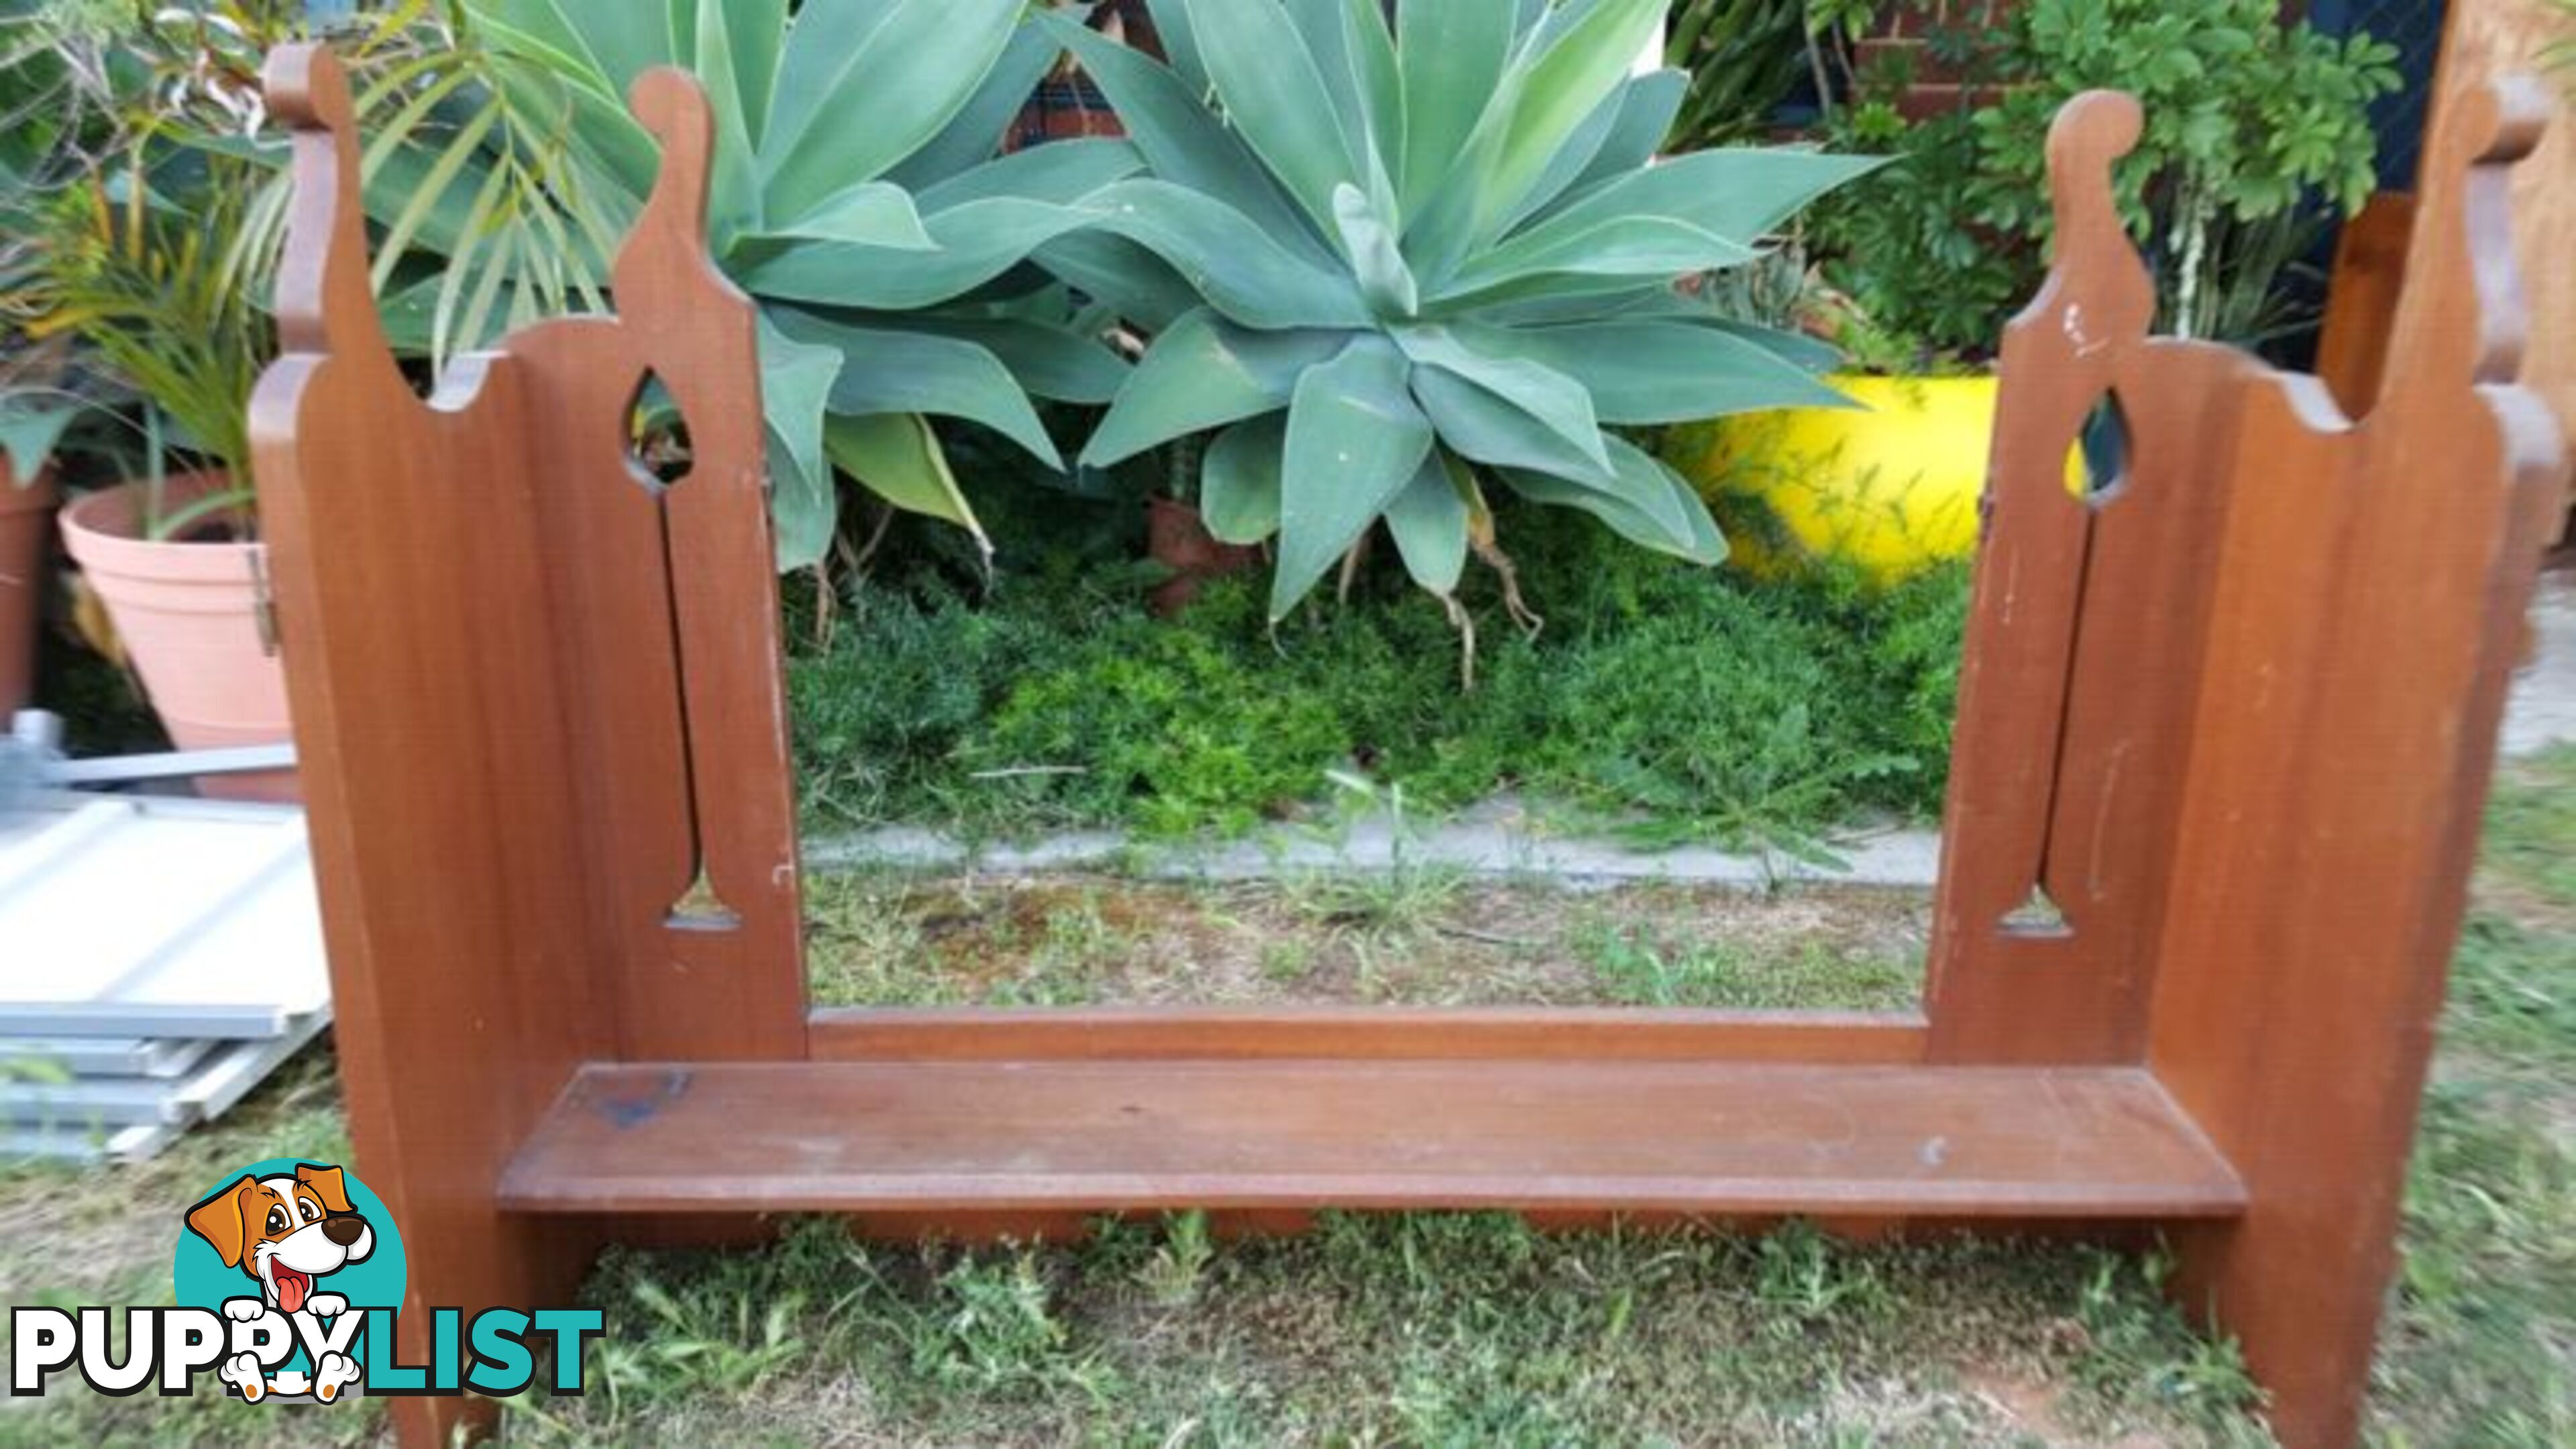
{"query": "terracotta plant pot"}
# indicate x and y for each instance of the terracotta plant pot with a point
(24, 517)
(190, 617)
(1177, 538)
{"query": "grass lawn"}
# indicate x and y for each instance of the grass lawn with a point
(1465, 1330)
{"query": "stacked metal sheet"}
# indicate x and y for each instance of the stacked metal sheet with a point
(158, 957)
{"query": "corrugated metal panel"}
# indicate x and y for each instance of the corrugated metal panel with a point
(158, 958)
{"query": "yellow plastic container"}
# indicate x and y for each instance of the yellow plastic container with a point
(1890, 485)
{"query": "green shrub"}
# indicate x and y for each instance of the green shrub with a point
(1165, 727)
(1678, 701)
(879, 720)
(2253, 128)
(1396, 266)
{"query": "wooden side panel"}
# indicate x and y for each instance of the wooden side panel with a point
(429, 715)
(2084, 640)
(532, 717)
(2371, 582)
(2490, 37)
(664, 600)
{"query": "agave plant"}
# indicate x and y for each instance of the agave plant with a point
(1396, 262)
(857, 197)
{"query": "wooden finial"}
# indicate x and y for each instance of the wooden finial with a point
(2095, 277)
(672, 229)
(324, 302)
(2460, 315)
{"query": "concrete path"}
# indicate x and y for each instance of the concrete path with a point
(1501, 839)
(2543, 709)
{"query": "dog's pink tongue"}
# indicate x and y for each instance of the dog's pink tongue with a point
(291, 1288)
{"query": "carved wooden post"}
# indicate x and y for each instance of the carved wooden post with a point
(530, 716)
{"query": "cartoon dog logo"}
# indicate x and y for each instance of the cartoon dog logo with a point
(286, 1233)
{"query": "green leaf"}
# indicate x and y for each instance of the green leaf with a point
(971, 245)
(1429, 522)
(1050, 361)
(898, 458)
(1806, 353)
(976, 131)
(1494, 361)
(1328, 41)
(1475, 423)
(1452, 54)
(1181, 139)
(751, 34)
(1376, 74)
(872, 213)
(1655, 371)
(1697, 539)
(1180, 41)
(1059, 172)
(1384, 278)
(28, 433)
(732, 49)
(589, 51)
(1276, 98)
(865, 83)
(1354, 439)
(1624, 246)
(1741, 194)
(1133, 282)
(1239, 480)
(1234, 264)
(795, 386)
(1647, 105)
(1202, 373)
(891, 371)
(1552, 90)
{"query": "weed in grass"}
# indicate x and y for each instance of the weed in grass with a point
(1286, 959)
(2129, 1355)
(1405, 896)
(996, 1329)
(1804, 1280)
(1178, 1268)
(1638, 967)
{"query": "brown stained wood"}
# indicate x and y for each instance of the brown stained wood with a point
(2230, 721)
(2075, 698)
(2361, 299)
(667, 599)
(2492, 37)
(462, 712)
(1373, 1034)
(1145, 1136)
(2371, 582)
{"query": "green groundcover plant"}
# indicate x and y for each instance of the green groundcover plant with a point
(1391, 264)
(1663, 700)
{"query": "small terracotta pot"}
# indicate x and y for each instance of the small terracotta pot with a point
(1177, 538)
(24, 519)
(190, 618)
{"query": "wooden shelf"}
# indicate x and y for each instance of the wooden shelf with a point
(1098, 1136)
